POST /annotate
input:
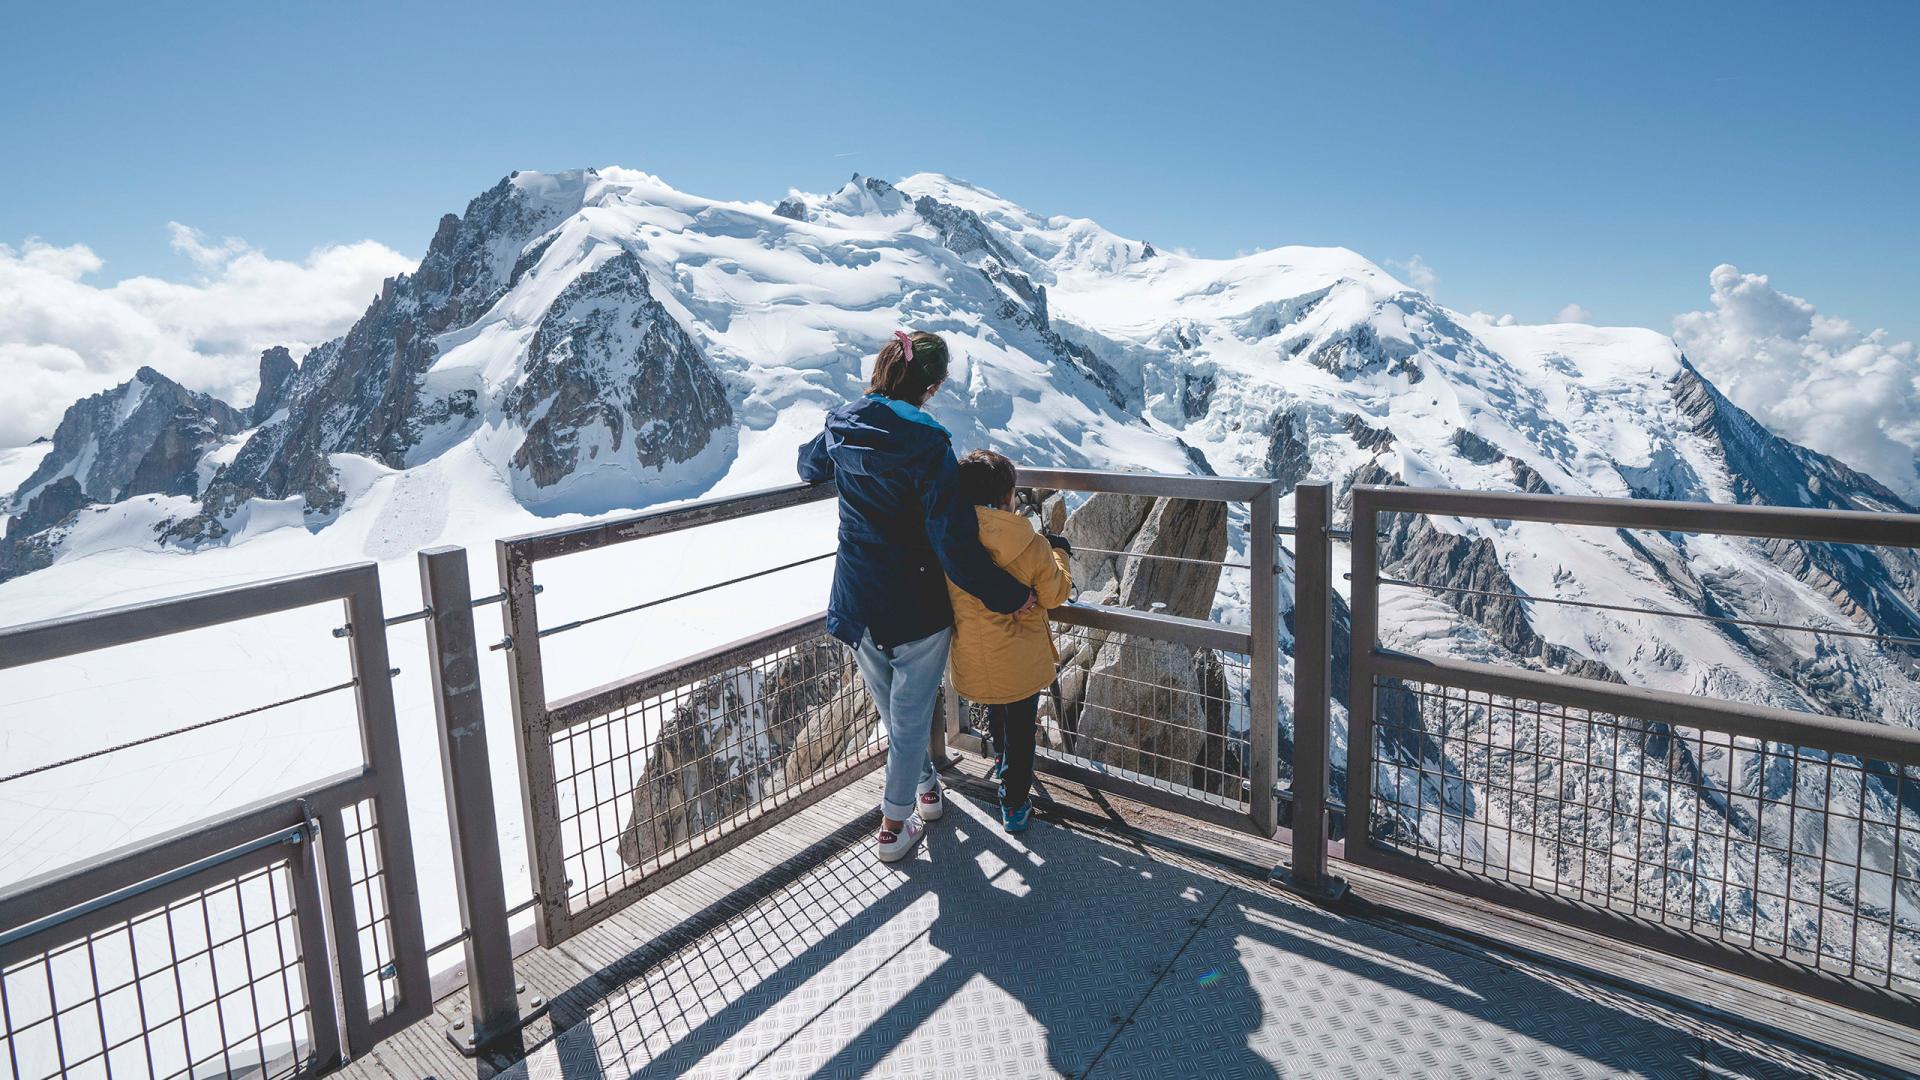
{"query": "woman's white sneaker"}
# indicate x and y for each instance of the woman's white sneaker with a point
(933, 801)
(893, 845)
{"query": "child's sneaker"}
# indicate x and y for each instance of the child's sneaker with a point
(933, 802)
(892, 846)
(1015, 820)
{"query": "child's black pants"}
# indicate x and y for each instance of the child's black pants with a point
(1011, 726)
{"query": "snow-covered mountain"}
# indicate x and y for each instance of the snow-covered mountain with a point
(583, 342)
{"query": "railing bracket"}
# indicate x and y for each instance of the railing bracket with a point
(472, 1042)
(1331, 886)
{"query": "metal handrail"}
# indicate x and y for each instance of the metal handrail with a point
(1376, 669)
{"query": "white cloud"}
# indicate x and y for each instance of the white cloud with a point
(1493, 320)
(1573, 313)
(1811, 377)
(1416, 272)
(63, 337)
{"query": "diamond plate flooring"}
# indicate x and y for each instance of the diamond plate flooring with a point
(1058, 953)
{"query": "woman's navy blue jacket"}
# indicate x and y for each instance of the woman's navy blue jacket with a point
(903, 528)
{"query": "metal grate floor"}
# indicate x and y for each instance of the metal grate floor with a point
(1058, 953)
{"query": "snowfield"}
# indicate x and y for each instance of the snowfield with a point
(592, 342)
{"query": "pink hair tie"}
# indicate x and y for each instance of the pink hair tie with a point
(906, 344)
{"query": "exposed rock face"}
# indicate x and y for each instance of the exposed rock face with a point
(1289, 456)
(143, 437)
(1366, 436)
(1196, 393)
(1413, 549)
(1876, 588)
(33, 536)
(743, 736)
(1360, 349)
(1474, 448)
(1147, 706)
(610, 365)
(792, 208)
(360, 393)
(277, 370)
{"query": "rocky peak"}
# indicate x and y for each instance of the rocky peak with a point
(361, 393)
(277, 370)
(145, 436)
(611, 376)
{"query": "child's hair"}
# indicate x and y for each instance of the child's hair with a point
(907, 376)
(986, 478)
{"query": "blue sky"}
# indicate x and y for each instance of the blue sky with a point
(1532, 155)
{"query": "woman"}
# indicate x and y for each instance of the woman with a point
(903, 532)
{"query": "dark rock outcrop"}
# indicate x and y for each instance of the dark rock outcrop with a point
(1289, 455)
(143, 437)
(1366, 436)
(33, 536)
(1474, 448)
(608, 356)
(360, 393)
(1146, 706)
(277, 370)
(1196, 393)
(1359, 349)
(740, 737)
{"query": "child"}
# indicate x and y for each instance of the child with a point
(1004, 661)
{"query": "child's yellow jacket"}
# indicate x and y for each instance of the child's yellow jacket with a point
(999, 658)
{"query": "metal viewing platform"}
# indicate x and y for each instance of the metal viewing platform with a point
(1205, 891)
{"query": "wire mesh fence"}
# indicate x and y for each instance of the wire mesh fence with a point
(704, 749)
(1159, 714)
(1782, 849)
(209, 981)
(373, 922)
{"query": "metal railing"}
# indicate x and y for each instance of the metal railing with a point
(1800, 833)
(231, 944)
(1175, 712)
(1773, 843)
(630, 784)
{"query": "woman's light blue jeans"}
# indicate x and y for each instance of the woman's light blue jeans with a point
(904, 681)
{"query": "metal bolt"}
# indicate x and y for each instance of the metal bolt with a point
(343, 631)
(519, 988)
(537, 1001)
(458, 1024)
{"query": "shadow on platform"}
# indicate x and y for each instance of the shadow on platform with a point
(1057, 953)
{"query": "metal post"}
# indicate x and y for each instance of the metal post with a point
(533, 743)
(1361, 706)
(468, 779)
(1263, 691)
(945, 721)
(1312, 675)
(380, 743)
